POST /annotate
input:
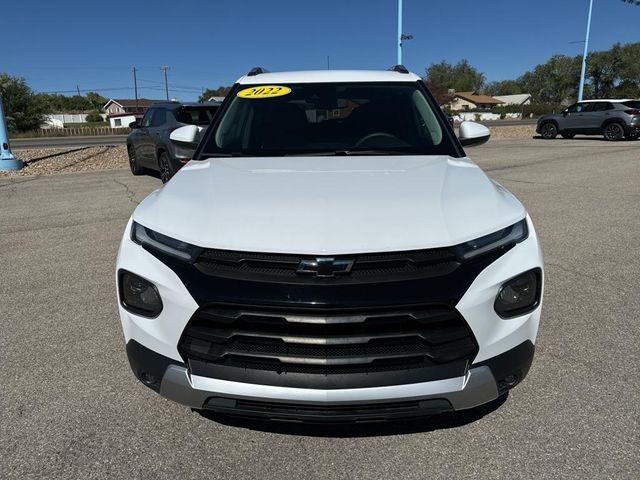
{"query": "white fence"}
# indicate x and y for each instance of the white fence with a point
(57, 120)
(471, 116)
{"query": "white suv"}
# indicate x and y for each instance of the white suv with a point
(330, 254)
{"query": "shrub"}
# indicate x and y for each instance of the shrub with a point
(94, 116)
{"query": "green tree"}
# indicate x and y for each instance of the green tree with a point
(503, 87)
(213, 92)
(462, 76)
(628, 84)
(555, 81)
(96, 100)
(24, 109)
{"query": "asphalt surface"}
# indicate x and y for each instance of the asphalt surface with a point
(53, 142)
(71, 408)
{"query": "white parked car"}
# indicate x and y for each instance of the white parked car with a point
(330, 253)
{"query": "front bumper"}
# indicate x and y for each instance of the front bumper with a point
(505, 348)
(484, 382)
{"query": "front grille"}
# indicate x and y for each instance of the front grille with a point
(364, 412)
(324, 344)
(367, 266)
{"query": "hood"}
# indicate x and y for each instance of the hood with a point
(329, 205)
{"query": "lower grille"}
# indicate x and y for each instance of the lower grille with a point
(371, 412)
(325, 344)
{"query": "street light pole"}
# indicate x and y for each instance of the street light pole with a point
(7, 160)
(399, 38)
(584, 55)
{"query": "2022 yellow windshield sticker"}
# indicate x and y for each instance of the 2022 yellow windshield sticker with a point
(264, 91)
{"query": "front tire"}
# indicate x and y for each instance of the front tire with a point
(135, 167)
(613, 132)
(166, 168)
(549, 131)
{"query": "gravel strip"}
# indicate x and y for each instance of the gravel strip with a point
(515, 131)
(46, 161)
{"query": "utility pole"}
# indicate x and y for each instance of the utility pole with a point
(135, 87)
(584, 54)
(166, 83)
(78, 88)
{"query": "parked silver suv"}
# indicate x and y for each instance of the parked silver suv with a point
(614, 119)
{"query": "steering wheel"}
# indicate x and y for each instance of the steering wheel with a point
(378, 135)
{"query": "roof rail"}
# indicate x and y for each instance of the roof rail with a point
(256, 71)
(399, 69)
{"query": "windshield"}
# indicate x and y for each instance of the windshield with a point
(632, 104)
(328, 118)
(196, 115)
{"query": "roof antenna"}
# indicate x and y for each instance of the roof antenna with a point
(256, 71)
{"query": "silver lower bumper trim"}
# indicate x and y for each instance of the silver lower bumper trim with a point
(475, 388)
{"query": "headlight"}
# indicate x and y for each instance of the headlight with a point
(519, 295)
(170, 246)
(504, 238)
(139, 295)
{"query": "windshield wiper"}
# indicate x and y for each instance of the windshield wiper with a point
(338, 153)
(356, 152)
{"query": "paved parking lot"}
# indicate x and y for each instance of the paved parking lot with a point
(71, 408)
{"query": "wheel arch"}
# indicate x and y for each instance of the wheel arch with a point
(550, 120)
(609, 121)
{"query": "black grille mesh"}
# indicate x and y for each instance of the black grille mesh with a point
(390, 266)
(326, 344)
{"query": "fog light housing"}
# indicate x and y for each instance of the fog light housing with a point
(139, 295)
(519, 295)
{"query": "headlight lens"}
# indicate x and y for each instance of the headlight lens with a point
(157, 241)
(519, 295)
(506, 237)
(138, 295)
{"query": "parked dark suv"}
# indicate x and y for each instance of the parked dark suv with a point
(148, 144)
(614, 119)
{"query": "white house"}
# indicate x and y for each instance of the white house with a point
(518, 99)
(463, 101)
(128, 105)
(122, 120)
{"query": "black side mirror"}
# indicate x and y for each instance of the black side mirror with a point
(134, 125)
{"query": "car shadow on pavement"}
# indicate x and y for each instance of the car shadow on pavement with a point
(354, 430)
(592, 138)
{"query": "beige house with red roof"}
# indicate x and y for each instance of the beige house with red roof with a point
(463, 101)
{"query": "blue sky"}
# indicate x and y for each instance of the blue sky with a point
(58, 45)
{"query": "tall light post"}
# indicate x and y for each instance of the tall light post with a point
(401, 36)
(584, 54)
(7, 160)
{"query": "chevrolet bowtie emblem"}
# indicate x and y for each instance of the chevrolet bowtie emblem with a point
(325, 266)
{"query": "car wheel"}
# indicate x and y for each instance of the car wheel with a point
(613, 132)
(549, 131)
(165, 167)
(136, 169)
(568, 135)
